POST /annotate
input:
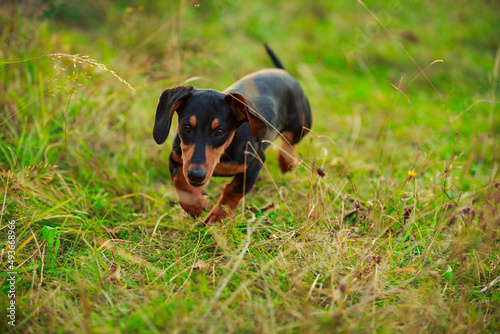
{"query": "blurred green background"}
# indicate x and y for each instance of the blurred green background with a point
(394, 86)
(347, 62)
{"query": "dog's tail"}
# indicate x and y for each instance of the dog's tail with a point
(275, 59)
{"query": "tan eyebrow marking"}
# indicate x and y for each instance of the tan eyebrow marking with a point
(192, 121)
(215, 124)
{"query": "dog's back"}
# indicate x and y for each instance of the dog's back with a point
(279, 98)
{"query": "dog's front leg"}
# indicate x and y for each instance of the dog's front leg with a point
(190, 198)
(233, 194)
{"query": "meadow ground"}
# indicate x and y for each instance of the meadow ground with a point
(401, 234)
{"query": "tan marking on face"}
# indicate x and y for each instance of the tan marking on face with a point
(213, 155)
(176, 158)
(187, 153)
(192, 121)
(215, 124)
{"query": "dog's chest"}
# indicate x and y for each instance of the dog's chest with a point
(228, 169)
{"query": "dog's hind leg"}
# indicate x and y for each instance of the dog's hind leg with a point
(296, 126)
(287, 157)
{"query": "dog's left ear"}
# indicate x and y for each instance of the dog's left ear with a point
(170, 100)
(258, 125)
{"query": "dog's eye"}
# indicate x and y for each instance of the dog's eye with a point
(186, 128)
(219, 132)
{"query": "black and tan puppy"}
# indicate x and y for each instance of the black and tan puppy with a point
(223, 133)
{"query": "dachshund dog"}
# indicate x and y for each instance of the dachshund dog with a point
(226, 133)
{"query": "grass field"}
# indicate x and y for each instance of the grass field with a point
(401, 235)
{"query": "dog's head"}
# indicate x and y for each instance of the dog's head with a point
(208, 120)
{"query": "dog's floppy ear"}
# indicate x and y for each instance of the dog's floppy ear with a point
(170, 100)
(258, 125)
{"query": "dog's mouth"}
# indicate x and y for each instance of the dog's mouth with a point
(197, 184)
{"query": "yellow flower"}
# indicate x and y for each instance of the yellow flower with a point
(411, 173)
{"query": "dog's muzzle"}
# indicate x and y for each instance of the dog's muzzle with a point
(196, 176)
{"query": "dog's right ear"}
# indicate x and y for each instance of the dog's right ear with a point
(169, 101)
(258, 124)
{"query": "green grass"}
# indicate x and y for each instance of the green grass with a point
(103, 246)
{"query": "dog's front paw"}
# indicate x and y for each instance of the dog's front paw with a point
(192, 202)
(192, 210)
(195, 206)
(217, 214)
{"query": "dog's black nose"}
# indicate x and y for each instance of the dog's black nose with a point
(196, 175)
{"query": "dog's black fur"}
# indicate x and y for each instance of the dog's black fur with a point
(218, 130)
